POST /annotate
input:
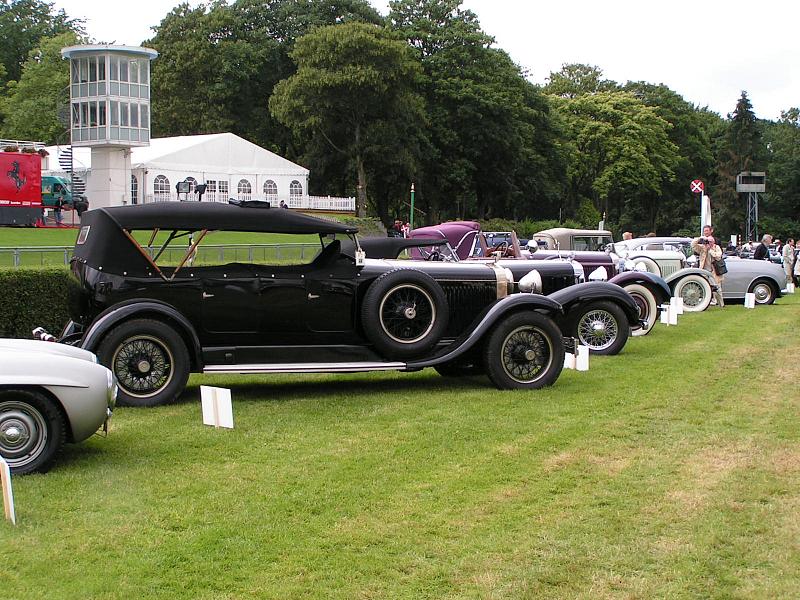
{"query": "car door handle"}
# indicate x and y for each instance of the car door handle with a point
(313, 296)
(206, 295)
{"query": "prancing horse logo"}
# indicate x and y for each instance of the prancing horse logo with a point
(13, 174)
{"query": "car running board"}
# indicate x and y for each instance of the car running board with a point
(344, 367)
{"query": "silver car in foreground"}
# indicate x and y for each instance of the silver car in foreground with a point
(49, 394)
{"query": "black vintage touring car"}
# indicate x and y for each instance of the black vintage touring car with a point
(153, 317)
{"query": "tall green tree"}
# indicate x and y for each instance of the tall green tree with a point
(782, 200)
(351, 80)
(693, 131)
(620, 156)
(201, 67)
(32, 106)
(218, 64)
(575, 79)
(493, 150)
(23, 24)
(742, 149)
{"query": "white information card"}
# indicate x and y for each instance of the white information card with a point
(217, 406)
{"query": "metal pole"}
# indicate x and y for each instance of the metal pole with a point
(411, 220)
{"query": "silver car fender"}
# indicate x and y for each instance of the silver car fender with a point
(83, 389)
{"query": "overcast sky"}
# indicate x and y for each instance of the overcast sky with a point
(706, 50)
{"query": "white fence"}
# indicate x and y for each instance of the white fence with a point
(331, 203)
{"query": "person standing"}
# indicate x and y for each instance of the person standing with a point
(787, 258)
(708, 251)
(57, 210)
(762, 250)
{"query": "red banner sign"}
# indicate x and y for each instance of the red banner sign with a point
(20, 179)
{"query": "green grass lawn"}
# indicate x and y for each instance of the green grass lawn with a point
(14, 237)
(671, 471)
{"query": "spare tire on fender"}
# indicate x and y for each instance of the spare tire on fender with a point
(405, 313)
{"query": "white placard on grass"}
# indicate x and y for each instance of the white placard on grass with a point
(217, 406)
(582, 360)
(750, 300)
(8, 495)
(676, 302)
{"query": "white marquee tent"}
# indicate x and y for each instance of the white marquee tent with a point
(230, 166)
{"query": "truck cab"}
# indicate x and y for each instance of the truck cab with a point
(54, 188)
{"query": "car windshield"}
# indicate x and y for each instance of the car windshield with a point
(590, 242)
(173, 248)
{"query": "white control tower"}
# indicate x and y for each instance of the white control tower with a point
(110, 113)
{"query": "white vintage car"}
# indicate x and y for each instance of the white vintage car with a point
(49, 394)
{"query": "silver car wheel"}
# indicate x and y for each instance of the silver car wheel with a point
(598, 329)
(23, 433)
(763, 292)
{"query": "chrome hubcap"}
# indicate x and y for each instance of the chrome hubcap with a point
(13, 434)
(23, 433)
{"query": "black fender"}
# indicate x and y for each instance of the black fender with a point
(486, 320)
(583, 293)
(651, 281)
(122, 311)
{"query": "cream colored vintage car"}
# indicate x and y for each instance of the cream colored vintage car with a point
(694, 285)
(49, 394)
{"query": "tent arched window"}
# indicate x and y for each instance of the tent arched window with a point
(161, 188)
(192, 184)
(244, 189)
(295, 193)
(270, 190)
(134, 189)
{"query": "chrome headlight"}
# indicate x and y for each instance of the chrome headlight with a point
(531, 282)
(577, 268)
(599, 274)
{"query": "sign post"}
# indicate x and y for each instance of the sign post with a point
(698, 187)
(411, 219)
(8, 494)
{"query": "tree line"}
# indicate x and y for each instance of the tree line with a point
(371, 104)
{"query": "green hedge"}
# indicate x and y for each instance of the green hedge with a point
(33, 297)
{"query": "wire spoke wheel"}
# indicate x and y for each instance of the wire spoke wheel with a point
(143, 365)
(23, 433)
(598, 329)
(526, 353)
(693, 294)
(407, 313)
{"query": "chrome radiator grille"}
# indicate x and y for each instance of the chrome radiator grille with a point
(668, 267)
(466, 300)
